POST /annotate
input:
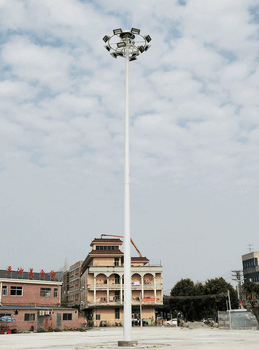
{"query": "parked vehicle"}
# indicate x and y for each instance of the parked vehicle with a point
(172, 322)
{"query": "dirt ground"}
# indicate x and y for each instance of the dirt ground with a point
(148, 338)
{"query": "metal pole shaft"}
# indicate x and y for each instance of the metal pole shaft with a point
(127, 257)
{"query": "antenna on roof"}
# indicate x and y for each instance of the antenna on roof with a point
(250, 247)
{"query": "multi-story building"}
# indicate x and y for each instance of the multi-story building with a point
(74, 284)
(102, 284)
(250, 267)
(33, 300)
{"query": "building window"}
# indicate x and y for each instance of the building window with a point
(29, 317)
(55, 292)
(117, 278)
(105, 247)
(4, 290)
(67, 317)
(97, 317)
(45, 292)
(117, 295)
(16, 290)
(116, 261)
(117, 313)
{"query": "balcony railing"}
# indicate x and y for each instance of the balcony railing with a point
(105, 302)
(146, 286)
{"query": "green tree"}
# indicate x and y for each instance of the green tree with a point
(190, 308)
(213, 305)
(250, 293)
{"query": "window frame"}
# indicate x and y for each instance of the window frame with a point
(117, 313)
(14, 291)
(4, 291)
(31, 317)
(67, 316)
(44, 292)
(55, 292)
(97, 317)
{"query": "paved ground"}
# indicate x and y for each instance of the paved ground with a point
(148, 338)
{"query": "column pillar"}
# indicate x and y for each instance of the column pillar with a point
(121, 289)
(94, 289)
(108, 291)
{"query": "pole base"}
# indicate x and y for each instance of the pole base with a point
(127, 343)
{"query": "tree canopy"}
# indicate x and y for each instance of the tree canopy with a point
(198, 301)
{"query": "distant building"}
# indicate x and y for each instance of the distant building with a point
(74, 284)
(250, 267)
(33, 300)
(102, 284)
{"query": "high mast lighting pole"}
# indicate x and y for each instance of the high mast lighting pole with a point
(128, 44)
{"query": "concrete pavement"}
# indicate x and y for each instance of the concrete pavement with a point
(148, 338)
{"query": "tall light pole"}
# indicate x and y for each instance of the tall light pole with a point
(127, 44)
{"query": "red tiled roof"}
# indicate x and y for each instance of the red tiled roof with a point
(106, 240)
(106, 252)
(139, 258)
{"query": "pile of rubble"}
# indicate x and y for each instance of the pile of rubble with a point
(196, 325)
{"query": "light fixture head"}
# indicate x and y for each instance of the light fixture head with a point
(117, 31)
(121, 44)
(114, 55)
(135, 31)
(133, 58)
(107, 47)
(146, 47)
(106, 38)
(120, 54)
(148, 38)
(141, 48)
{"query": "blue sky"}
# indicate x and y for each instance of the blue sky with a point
(194, 133)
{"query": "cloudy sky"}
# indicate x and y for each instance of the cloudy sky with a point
(194, 133)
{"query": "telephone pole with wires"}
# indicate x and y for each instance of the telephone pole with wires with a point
(238, 277)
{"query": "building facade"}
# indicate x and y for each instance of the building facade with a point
(33, 300)
(102, 285)
(250, 267)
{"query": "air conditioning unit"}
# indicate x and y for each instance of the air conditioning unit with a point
(41, 312)
(48, 312)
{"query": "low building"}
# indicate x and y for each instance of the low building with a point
(33, 300)
(102, 284)
(250, 267)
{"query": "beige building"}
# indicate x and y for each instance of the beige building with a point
(102, 284)
(251, 267)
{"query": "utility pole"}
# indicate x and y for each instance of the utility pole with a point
(237, 276)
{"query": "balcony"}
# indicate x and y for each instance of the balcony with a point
(135, 302)
(117, 286)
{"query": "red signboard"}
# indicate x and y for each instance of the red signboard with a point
(9, 270)
(31, 273)
(42, 274)
(147, 299)
(19, 271)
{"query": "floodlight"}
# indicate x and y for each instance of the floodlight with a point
(133, 58)
(107, 47)
(117, 31)
(106, 38)
(135, 31)
(114, 55)
(147, 38)
(141, 48)
(146, 47)
(120, 54)
(121, 44)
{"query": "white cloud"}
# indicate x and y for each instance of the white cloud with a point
(194, 122)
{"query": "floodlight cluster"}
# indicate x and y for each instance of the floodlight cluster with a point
(131, 40)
